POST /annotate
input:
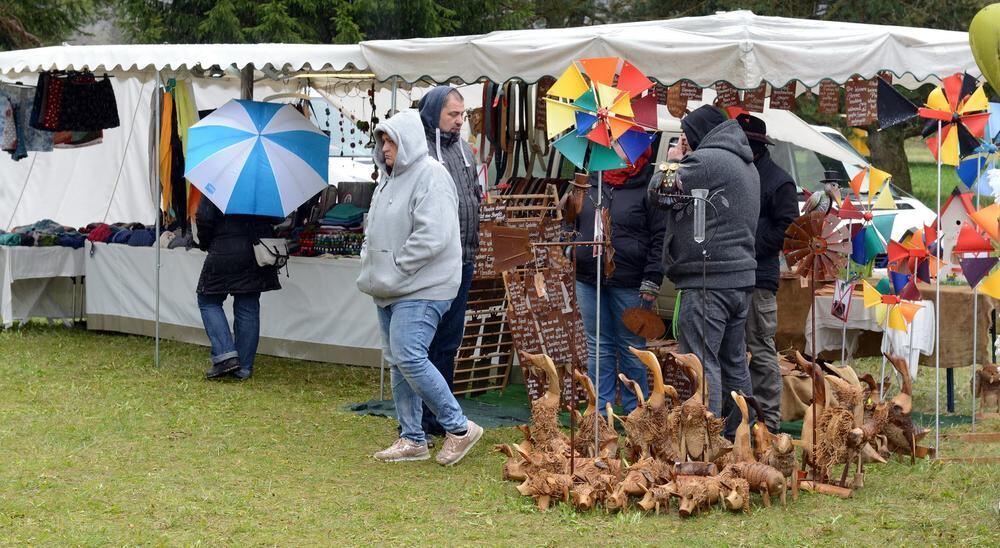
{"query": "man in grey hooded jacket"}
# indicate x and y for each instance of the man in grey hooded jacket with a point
(410, 266)
(715, 276)
(442, 111)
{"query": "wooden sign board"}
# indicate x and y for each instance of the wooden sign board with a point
(753, 99)
(676, 103)
(726, 95)
(861, 101)
(690, 90)
(783, 98)
(829, 97)
(541, 90)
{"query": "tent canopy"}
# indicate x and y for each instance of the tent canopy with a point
(179, 57)
(739, 47)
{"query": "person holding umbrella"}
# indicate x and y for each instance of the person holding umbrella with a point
(255, 163)
(411, 265)
(232, 269)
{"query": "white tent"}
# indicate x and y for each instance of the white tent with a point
(738, 47)
(180, 57)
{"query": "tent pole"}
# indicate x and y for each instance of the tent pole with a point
(975, 305)
(246, 82)
(392, 104)
(156, 210)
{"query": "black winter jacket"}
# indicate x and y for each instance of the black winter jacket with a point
(637, 229)
(779, 206)
(230, 266)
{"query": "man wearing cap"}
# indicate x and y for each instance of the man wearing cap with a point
(778, 208)
(715, 271)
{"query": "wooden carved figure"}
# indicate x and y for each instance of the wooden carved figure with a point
(988, 389)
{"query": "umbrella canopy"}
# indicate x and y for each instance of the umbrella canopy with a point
(257, 158)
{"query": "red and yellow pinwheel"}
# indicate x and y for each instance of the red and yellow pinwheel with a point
(891, 310)
(960, 106)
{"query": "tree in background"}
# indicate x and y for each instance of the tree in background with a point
(25, 24)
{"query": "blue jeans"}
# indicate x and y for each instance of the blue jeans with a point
(246, 324)
(615, 340)
(446, 342)
(407, 330)
(713, 327)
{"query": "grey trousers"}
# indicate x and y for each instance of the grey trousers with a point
(765, 375)
(713, 327)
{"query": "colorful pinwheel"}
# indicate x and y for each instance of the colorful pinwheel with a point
(915, 254)
(977, 267)
(610, 114)
(891, 309)
(875, 231)
(816, 246)
(973, 170)
(959, 105)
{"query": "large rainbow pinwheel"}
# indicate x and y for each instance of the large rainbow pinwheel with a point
(960, 107)
(891, 310)
(603, 117)
(973, 170)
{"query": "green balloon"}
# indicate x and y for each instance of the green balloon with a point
(984, 39)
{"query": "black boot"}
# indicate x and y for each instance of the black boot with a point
(223, 368)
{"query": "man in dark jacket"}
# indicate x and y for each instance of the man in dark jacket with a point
(231, 269)
(442, 112)
(637, 228)
(717, 275)
(779, 206)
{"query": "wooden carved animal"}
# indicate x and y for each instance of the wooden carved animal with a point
(593, 481)
(862, 441)
(832, 429)
(639, 477)
(871, 389)
(900, 432)
(513, 467)
(762, 478)
(736, 494)
(774, 450)
(697, 493)
(545, 432)
(584, 442)
(695, 469)
(697, 429)
(546, 478)
(657, 497)
(988, 389)
(647, 428)
(742, 451)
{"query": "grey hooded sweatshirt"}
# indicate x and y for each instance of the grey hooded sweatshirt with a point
(411, 249)
(722, 163)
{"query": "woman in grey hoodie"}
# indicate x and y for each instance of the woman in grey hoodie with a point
(411, 265)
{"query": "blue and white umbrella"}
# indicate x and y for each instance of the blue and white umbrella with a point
(257, 158)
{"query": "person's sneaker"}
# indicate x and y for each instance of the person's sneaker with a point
(403, 450)
(241, 374)
(456, 447)
(223, 368)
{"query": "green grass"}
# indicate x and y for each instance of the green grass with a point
(923, 176)
(100, 448)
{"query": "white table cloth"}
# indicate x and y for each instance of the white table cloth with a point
(40, 282)
(319, 314)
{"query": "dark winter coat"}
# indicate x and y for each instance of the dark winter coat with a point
(636, 233)
(230, 266)
(779, 206)
(722, 163)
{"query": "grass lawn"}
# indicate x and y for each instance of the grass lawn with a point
(99, 448)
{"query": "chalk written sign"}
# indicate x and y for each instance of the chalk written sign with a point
(873, 98)
(858, 102)
(661, 93)
(689, 90)
(783, 98)
(753, 99)
(829, 97)
(726, 95)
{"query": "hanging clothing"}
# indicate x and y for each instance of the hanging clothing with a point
(8, 133)
(73, 101)
(187, 116)
(166, 165)
(28, 138)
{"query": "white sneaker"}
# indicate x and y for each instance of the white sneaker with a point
(403, 450)
(456, 447)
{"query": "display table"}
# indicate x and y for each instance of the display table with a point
(318, 315)
(794, 305)
(40, 282)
